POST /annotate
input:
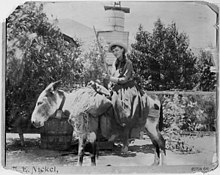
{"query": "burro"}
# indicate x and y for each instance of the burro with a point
(88, 107)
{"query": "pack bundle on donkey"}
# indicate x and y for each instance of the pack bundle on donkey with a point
(86, 106)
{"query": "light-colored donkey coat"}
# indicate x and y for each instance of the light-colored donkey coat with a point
(52, 100)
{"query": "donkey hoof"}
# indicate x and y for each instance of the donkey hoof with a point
(155, 164)
(93, 164)
(79, 164)
(163, 163)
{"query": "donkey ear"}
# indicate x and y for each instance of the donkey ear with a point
(53, 86)
(56, 84)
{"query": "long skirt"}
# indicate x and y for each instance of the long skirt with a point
(127, 104)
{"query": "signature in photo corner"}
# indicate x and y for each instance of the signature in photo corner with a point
(36, 169)
(200, 169)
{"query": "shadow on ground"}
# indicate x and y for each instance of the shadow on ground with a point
(32, 145)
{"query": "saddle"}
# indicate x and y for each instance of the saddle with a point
(100, 89)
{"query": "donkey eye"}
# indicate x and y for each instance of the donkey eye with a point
(39, 103)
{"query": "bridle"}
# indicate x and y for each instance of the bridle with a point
(62, 102)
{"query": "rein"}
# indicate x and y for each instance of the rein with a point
(59, 112)
(62, 102)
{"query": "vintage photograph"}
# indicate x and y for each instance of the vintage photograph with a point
(111, 87)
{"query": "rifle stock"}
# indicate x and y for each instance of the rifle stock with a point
(101, 52)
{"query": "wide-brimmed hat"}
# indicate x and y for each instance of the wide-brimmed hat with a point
(117, 43)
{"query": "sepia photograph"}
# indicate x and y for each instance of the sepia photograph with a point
(110, 87)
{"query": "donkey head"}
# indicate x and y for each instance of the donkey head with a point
(47, 104)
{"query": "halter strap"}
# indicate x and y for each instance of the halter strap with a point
(62, 102)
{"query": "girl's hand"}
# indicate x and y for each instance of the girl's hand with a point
(105, 76)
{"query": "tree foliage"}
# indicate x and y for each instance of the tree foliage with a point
(207, 79)
(37, 54)
(189, 112)
(93, 63)
(162, 59)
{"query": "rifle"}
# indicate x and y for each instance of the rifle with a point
(100, 50)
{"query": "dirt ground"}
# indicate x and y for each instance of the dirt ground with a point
(140, 154)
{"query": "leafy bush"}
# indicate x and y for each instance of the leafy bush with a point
(186, 113)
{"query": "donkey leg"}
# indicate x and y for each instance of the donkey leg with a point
(93, 153)
(81, 149)
(160, 151)
(163, 158)
(159, 156)
(162, 145)
(156, 159)
(156, 154)
(156, 138)
(125, 140)
(91, 138)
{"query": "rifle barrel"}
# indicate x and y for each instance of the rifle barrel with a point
(100, 50)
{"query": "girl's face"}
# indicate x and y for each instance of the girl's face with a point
(118, 52)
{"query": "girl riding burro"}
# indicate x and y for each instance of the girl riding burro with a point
(126, 98)
(128, 109)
